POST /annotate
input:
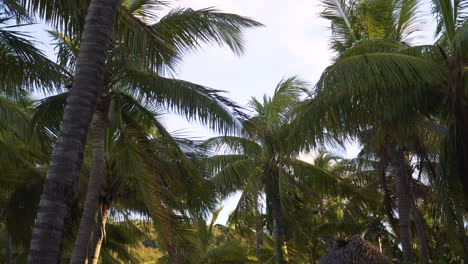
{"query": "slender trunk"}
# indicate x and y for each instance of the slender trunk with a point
(460, 122)
(258, 228)
(100, 233)
(8, 248)
(387, 198)
(421, 233)
(273, 193)
(403, 202)
(80, 248)
(67, 158)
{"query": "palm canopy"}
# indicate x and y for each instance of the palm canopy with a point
(353, 21)
(156, 40)
(23, 67)
(264, 160)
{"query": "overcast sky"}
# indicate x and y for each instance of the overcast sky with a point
(294, 42)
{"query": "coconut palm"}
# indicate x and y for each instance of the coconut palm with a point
(265, 161)
(146, 42)
(262, 153)
(66, 161)
(372, 35)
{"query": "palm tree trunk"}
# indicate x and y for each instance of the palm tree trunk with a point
(387, 198)
(273, 193)
(403, 202)
(460, 122)
(100, 233)
(80, 248)
(8, 248)
(421, 233)
(258, 229)
(59, 188)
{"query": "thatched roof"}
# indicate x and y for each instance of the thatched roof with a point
(354, 251)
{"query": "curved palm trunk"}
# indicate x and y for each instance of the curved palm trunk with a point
(80, 248)
(403, 202)
(100, 233)
(420, 231)
(59, 188)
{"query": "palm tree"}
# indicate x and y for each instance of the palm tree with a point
(261, 155)
(144, 172)
(66, 161)
(369, 37)
(209, 20)
(76, 119)
(264, 160)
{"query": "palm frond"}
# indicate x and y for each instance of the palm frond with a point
(187, 29)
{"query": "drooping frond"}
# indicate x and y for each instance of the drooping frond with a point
(234, 144)
(192, 101)
(23, 66)
(187, 29)
(407, 18)
(375, 86)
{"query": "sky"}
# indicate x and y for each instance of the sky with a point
(294, 41)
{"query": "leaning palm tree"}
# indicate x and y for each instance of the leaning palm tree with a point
(144, 170)
(67, 156)
(147, 42)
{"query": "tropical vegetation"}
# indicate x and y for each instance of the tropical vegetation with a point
(90, 174)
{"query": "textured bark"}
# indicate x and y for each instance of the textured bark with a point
(403, 202)
(273, 193)
(8, 248)
(80, 248)
(387, 198)
(421, 233)
(100, 233)
(67, 158)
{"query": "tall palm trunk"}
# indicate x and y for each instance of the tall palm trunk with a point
(100, 233)
(258, 227)
(59, 188)
(80, 248)
(460, 122)
(273, 192)
(421, 233)
(387, 200)
(403, 202)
